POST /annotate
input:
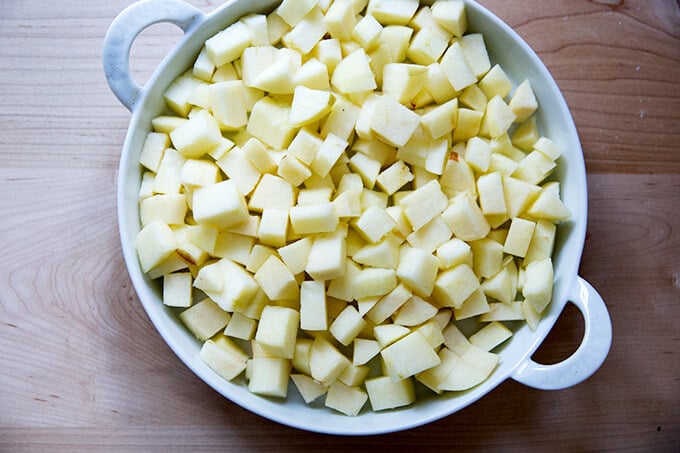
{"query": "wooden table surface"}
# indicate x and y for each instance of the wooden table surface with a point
(81, 367)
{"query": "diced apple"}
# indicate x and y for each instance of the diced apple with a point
(273, 228)
(476, 55)
(502, 311)
(418, 270)
(519, 237)
(154, 243)
(451, 15)
(277, 331)
(197, 136)
(345, 399)
(269, 121)
(498, 117)
(272, 192)
(347, 325)
(241, 326)
(476, 304)
(538, 284)
(269, 376)
(409, 356)
(490, 336)
(496, 83)
(383, 393)
(307, 32)
(227, 45)
(548, 206)
(393, 123)
(403, 81)
(326, 363)
(204, 319)
(328, 154)
(392, 12)
(455, 66)
(523, 102)
(353, 74)
(367, 32)
(220, 205)
(221, 361)
(455, 285)
(491, 194)
(326, 259)
(465, 218)
(374, 281)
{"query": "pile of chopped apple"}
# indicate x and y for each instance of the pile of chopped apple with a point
(335, 186)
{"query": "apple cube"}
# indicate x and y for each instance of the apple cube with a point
(367, 32)
(381, 254)
(177, 95)
(304, 146)
(476, 55)
(326, 363)
(373, 224)
(277, 331)
(487, 257)
(393, 123)
(424, 204)
(227, 283)
(319, 218)
(542, 241)
(273, 228)
(227, 45)
(435, 233)
(441, 120)
(347, 325)
(496, 83)
(386, 334)
(220, 205)
(427, 46)
(353, 74)
(240, 170)
(312, 74)
(418, 270)
(465, 218)
(272, 192)
(292, 11)
(465, 374)
(313, 313)
(548, 206)
(469, 122)
(523, 102)
(519, 237)
(197, 173)
(240, 326)
(341, 120)
(473, 98)
(269, 121)
(408, 356)
(538, 284)
(328, 154)
(177, 289)
(394, 177)
(364, 350)
(490, 336)
(269, 376)
(454, 252)
(458, 177)
(204, 319)
(345, 399)
(502, 311)
(415, 311)
(374, 281)
(392, 12)
(455, 66)
(154, 146)
(166, 208)
(228, 103)
(343, 287)
(476, 304)
(388, 304)
(340, 20)
(500, 286)
(154, 243)
(403, 81)
(383, 393)
(327, 257)
(306, 33)
(498, 117)
(197, 136)
(221, 361)
(453, 286)
(277, 281)
(450, 15)
(526, 134)
(478, 154)
(491, 194)
(309, 389)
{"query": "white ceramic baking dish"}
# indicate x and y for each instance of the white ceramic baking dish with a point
(520, 62)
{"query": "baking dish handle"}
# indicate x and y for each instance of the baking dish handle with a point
(124, 30)
(587, 358)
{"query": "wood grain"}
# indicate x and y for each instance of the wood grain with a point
(82, 369)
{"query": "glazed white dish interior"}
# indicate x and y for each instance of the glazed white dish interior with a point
(520, 62)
